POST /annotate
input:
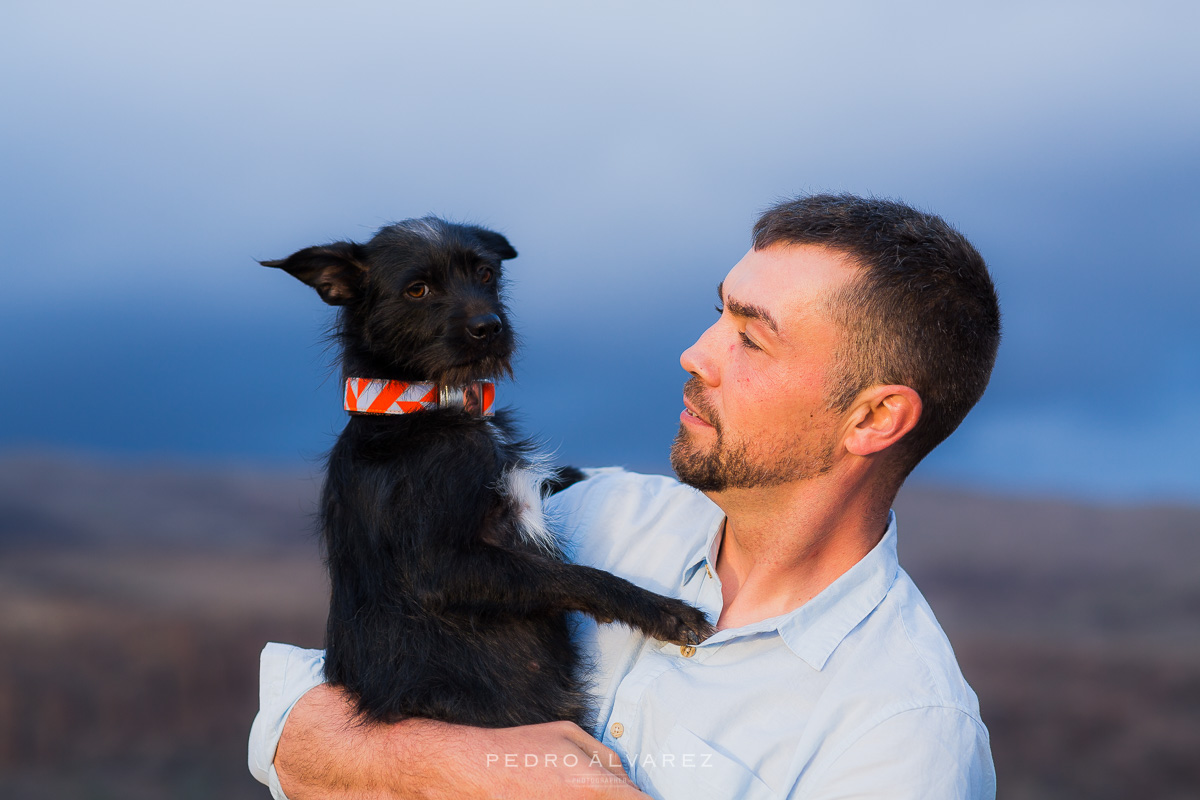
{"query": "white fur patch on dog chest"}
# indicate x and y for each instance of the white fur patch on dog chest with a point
(522, 485)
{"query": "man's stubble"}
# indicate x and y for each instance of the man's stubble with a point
(734, 463)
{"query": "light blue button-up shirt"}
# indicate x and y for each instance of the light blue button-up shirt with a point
(854, 694)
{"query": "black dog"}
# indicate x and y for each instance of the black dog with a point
(449, 594)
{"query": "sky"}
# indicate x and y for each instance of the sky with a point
(150, 153)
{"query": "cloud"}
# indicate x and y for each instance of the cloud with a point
(151, 152)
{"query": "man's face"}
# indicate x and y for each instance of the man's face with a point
(756, 405)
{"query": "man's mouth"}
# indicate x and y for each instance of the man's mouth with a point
(694, 412)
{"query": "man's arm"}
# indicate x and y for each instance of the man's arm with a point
(326, 752)
(308, 742)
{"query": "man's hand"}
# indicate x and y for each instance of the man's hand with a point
(326, 751)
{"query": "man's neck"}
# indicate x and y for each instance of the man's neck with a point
(783, 545)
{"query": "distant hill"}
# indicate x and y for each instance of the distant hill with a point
(56, 499)
(134, 599)
(1055, 568)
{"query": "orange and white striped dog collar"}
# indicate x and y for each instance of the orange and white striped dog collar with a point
(372, 396)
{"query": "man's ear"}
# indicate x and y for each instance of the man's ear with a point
(882, 415)
(494, 242)
(336, 270)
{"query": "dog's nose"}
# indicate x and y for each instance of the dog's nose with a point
(485, 326)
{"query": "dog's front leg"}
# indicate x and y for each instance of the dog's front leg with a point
(496, 580)
(608, 598)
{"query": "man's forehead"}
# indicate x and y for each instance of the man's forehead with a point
(784, 279)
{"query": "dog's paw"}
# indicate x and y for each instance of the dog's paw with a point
(681, 624)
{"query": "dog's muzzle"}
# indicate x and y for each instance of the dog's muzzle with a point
(373, 396)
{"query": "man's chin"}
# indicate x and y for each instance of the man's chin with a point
(701, 480)
(692, 467)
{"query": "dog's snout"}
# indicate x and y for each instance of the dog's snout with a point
(484, 326)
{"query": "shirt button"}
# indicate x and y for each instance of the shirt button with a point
(616, 730)
(687, 650)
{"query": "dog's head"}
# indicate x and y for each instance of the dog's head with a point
(420, 301)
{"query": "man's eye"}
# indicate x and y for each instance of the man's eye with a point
(748, 343)
(720, 309)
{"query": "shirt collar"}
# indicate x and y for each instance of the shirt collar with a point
(814, 630)
(707, 553)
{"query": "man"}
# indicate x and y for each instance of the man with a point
(852, 339)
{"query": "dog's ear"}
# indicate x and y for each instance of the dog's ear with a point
(336, 270)
(494, 242)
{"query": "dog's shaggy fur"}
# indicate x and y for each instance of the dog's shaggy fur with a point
(449, 592)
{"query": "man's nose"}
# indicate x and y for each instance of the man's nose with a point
(697, 361)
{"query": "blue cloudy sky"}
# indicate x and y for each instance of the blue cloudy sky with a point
(150, 152)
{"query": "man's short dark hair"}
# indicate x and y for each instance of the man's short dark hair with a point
(922, 312)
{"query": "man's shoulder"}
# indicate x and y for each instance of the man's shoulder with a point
(902, 657)
(619, 478)
(633, 524)
(615, 493)
(894, 682)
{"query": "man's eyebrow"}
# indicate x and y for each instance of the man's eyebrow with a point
(748, 310)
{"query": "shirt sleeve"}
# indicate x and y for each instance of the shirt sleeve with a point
(565, 510)
(285, 674)
(934, 753)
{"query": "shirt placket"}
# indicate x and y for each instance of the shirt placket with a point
(625, 733)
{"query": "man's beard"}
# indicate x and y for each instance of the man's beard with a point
(736, 464)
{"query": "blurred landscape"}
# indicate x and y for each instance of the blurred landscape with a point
(136, 598)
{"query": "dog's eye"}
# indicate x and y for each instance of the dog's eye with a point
(485, 275)
(417, 290)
